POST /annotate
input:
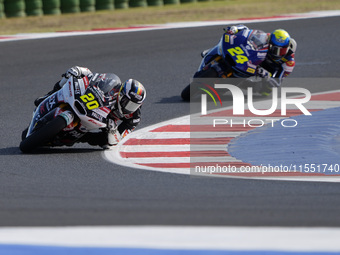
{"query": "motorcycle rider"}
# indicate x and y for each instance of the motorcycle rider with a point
(279, 61)
(125, 103)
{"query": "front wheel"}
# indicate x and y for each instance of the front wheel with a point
(209, 73)
(42, 135)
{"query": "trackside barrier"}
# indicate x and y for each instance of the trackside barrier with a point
(105, 4)
(138, 3)
(34, 7)
(155, 2)
(22, 8)
(188, 1)
(87, 5)
(51, 7)
(15, 8)
(121, 4)
(171, 2)
(2, 13)
(70, 6)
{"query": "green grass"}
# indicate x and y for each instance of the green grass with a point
(200, 11)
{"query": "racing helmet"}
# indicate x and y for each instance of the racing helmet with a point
(278, 43)
(131, 96)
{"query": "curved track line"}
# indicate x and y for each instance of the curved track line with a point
(165, 146)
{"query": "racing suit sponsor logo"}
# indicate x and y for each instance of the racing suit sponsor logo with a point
(51, 102)
(126, 132)
(76, 134)
(250, 70)
(95, 122)
(226, 38)
(101, 112)
(136, 120)
(86, 82)
(105, 109)
(97, 116)
(128, 116)
(77, 88)
(245, 49)
(262, 54)
(290, 63)
(252, 65)
(287, 68)
(139, 97)
(70, 88)
(42, 108)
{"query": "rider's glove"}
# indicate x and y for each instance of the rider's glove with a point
(76, 71)
(263, 73)
(232, 30)
(73, 71)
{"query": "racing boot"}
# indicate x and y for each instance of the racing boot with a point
(40, 99)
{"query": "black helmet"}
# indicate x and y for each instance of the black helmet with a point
(131, 96)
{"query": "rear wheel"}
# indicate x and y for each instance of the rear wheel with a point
(42, 135)
(209, 73)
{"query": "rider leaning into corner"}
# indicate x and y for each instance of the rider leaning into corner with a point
(279, 61)
(126, 98)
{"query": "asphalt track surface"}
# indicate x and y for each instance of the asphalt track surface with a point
(76, 186)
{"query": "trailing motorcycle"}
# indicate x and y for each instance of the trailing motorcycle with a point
(68, 114)
(235, 56)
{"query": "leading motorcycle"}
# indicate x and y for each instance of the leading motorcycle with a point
(68, 114)
(235, 56)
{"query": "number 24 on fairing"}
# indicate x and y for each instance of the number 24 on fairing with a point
(239, 54)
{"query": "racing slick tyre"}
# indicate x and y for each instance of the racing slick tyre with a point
(209, 73)
(43, 134)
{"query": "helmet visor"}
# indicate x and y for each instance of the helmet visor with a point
(127, 105)
(278, 51)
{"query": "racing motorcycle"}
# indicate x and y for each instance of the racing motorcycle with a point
(68, 114)
(235, 56)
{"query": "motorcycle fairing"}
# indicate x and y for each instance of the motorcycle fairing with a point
(43, 108)
(242, 53)
(245, 51)
(88, 104)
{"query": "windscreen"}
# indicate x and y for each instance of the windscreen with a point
(105, 82)
(258, 39)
